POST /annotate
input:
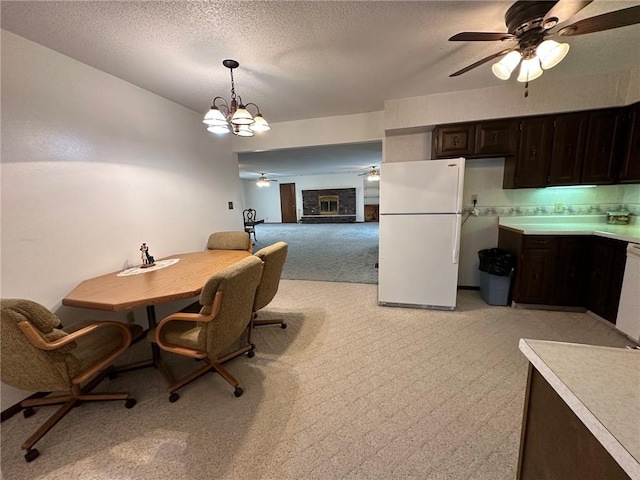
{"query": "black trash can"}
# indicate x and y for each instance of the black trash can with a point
(496, 268)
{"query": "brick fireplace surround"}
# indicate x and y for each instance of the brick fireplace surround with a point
(346, 212)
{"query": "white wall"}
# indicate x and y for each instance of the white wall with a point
(92, 167)
(266, 201)
(548, 94)
(357, 128)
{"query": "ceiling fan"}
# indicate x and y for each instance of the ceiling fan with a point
(529, 32)
(373, 175)
(263, 181)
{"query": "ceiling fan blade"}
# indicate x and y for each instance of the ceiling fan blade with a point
(481, 37)
(606, 21)
(480, 62)
(565, 9)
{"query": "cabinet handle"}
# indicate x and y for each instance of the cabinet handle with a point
(533, 153)
(495, 138)
(455, 140)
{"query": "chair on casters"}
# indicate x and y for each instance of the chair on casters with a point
(233, 240)
(249, 216)
(273, 257)
(226, 309)
(38, 355)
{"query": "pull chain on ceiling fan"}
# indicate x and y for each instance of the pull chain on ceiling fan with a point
(529, 24)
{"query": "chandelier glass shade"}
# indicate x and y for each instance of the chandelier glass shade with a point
(234, 116)
(262, 182)
(532, 62)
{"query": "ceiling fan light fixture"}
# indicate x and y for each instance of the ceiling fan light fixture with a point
(262, 182)
(374, 176)
(530, 69)
(551, 53)
(259, 124)
(505, 67)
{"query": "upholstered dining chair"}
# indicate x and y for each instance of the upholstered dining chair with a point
(234, 240)
(274, 257)
(225, 315)
(37, 355)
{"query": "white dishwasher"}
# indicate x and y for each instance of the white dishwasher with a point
(628, 320)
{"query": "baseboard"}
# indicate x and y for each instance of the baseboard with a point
(468, 287)
(13, 409)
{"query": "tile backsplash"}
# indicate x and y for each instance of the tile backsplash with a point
(484, 179)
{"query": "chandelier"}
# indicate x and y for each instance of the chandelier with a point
(234, 116)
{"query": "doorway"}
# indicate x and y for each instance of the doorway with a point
(288, 205)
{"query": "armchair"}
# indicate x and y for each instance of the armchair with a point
(225, 314)
(230, 241)
(38, 355)
(274, 257)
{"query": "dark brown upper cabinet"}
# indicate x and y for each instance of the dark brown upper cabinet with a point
(534, 148)
(454, 140)
(602, 146)
(569, 134)
(496, 137)
(630, 165)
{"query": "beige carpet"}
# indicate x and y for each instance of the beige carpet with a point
(349, 390)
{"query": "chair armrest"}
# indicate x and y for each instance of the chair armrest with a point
(37, 341)
(187, 317)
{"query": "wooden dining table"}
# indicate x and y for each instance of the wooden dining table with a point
(183, 279)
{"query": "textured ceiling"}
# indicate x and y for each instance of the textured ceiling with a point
(298, 59)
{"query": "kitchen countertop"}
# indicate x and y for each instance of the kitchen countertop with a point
(572, 225)
(601, 385)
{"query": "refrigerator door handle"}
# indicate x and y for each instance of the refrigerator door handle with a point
(456, 240)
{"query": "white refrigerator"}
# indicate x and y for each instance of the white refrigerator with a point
(420, 220)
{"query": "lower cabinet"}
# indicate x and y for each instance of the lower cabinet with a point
(566, 270)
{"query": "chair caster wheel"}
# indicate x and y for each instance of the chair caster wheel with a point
(174, 397)
(251, 354)
(130, 403)
(31, 454)
(283, 326)
(27, 412)
(253, 346)
(238, 391)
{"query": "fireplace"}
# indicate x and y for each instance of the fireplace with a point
(328, 204)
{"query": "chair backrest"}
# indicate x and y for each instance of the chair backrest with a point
(273, 257)
(238, 283)
(235, 240)
(249, 216)
(23, 365)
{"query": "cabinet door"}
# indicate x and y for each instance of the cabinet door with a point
(532, 161)
(571, 274)
(496, 138)
(600, 154)
(601, 264)
(454, 140)
(569, 132)
(536, 270)
(630, 168)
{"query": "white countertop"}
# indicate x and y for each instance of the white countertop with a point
(572, 225)
(601, 385)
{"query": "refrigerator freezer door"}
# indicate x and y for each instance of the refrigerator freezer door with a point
(430, 186)
(418, 260)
